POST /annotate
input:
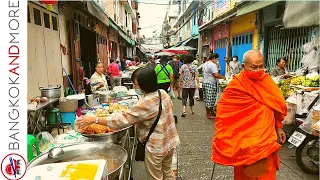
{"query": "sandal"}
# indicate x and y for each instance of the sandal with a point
(183, 114)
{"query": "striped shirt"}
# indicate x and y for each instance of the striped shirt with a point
(165, 136)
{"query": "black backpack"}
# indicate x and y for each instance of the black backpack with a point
(176, 68)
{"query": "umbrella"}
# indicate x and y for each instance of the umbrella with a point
(185, 48)
(165, 54)
(176, 51)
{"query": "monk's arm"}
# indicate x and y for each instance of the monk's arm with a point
(279, 118)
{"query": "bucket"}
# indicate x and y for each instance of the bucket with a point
(68, 118)
(52, 116)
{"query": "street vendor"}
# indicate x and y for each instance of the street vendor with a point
(98, 80)
(280, 69)
(164, 139)
(248, 126)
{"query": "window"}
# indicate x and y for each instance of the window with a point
(54, 23)
(247, 39)
(37, 16)
(126, 18)
(233, 40)
(237, 40)
(250, 38)
(243, 37)
(29, 20)
(46, 20)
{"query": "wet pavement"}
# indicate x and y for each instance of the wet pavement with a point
(194, 152)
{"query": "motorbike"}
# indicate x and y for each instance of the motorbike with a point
(306, 139)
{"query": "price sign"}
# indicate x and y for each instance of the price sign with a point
(297, 138)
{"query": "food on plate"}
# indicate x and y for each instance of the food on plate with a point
(43, 99)
(95, 129)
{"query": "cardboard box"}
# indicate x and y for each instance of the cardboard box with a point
(86, 170)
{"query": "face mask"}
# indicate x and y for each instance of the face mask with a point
(234, 59)
(255, 75)
(138, 91)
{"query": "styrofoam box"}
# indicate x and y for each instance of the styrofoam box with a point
(53, 171)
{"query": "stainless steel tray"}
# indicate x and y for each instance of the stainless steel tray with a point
(112, 137)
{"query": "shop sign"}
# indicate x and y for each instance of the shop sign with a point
(221, 6)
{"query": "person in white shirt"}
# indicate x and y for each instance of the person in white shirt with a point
(98, 80)
(235, 66)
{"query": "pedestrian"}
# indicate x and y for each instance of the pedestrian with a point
(124, 63)
(248, 126)
(210, 78)
(235, 66)
(164, 139)
(226, 60)
(189, 81)
(113, 70)
(151, 64)
(164, 74)
(176, 65)
(119, 65)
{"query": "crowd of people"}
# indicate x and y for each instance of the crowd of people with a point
(248, 128)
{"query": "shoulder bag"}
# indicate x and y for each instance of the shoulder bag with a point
(141, 146)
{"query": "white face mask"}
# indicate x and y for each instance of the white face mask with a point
(234, 59)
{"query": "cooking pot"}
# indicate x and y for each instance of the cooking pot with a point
(51, 92)
(114, 154)
(103, 96)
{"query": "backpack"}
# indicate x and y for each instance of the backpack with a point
(176, 68)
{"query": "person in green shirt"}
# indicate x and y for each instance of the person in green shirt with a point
(164, 74)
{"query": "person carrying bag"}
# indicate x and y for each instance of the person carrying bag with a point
(141, 146)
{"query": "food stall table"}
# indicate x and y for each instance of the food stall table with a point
(34, 114)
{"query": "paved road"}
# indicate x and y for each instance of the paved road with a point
(194, 152)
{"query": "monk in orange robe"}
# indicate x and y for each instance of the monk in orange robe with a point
(248, 127)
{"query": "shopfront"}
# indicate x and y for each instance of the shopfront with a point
(220, 39)
(243, 34)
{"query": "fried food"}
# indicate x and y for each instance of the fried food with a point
(98, 129)
(95, 129)
(87, 130)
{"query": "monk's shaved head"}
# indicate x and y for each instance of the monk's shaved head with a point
(253, 59)
(251, 56)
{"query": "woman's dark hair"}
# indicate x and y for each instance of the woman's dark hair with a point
(213, 56)
(236, 57)
(188, 59)
(147, 79)
(279, 59)
(164, 60)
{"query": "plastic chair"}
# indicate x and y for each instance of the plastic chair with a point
(32, 143)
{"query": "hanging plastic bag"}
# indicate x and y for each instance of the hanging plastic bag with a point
(44, 139)
(171, 94)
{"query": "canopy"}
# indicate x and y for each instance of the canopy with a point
(176, 51)
(165, 54)
(184, 48)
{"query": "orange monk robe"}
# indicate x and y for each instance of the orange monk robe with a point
(247, 115)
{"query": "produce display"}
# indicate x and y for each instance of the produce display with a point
(310, 80)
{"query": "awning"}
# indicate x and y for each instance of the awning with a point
(219, 20)
(254, 6)
(97, 11)
(113, 25)
(191, 38)
(301, 14)
(124, 36)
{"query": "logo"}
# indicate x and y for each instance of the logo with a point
(13, 166)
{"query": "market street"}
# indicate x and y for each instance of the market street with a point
(194, 152)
